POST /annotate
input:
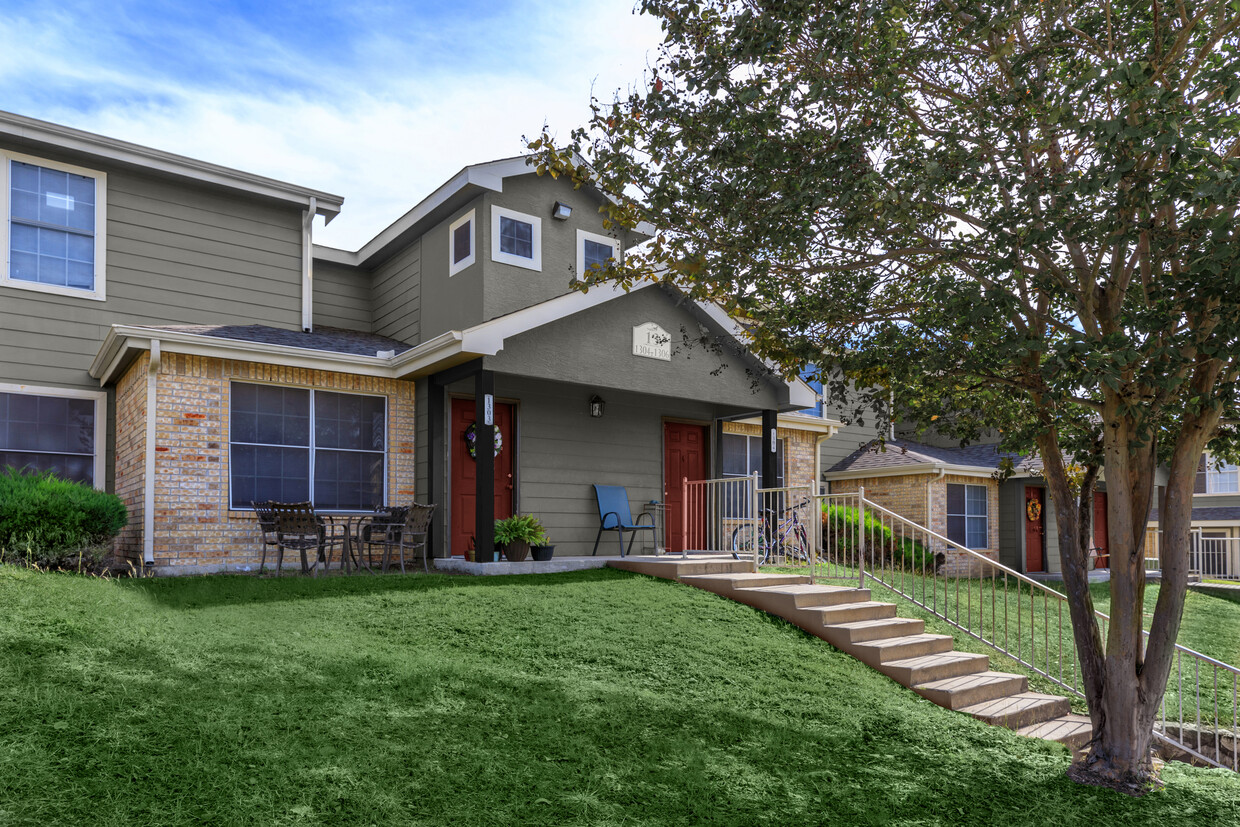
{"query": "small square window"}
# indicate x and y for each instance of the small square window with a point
(516, 238)
(461, 243)
(594, 250)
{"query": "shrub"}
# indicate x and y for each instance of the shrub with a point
(840, 524)
(56, 523)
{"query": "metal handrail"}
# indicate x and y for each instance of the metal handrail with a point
(896, 579)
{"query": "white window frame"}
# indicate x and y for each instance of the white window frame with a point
(99, 292)
(947, 514)
(532, 263)
(101, 419)
(312, 447)
(456, 267)
(1213, 472)
(583, 237)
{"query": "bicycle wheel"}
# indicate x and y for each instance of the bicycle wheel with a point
(743, 543)
(798, 546)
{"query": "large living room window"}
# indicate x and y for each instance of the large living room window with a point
(298, 445)
(52, 430)
(53, 227)
(967, 515)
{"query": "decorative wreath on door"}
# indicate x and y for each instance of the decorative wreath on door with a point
(471, 440)
(1033, 509)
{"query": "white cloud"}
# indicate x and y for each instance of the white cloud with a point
(383, 129)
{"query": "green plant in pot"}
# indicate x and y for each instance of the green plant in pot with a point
(517, 533)
(542, 551)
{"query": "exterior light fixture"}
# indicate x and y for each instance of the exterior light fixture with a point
(561, 211)
(597, 406)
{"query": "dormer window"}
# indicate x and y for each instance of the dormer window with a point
(461, 243)
(516, 238)
(594, 251)
(52, 233)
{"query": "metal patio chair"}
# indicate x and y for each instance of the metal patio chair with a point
(267, 526)
(299, 527)
(614, 514)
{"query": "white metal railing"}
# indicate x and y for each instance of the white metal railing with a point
(1214, 558)
(718, 514)
(1024, 619)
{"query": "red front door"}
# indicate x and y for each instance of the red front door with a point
(1035, 529)
(464, 477)
(684, 456)
(1100, 531)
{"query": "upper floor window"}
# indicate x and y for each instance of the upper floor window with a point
(812, 378)
(53, 430)
(516, 238)
(594, 251)
(1222, 478)
(968, 509)
(53, 229)
(461, 243)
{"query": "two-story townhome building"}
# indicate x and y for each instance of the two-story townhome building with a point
(174, 335)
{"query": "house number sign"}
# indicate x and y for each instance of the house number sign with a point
(652, 342)
(488, 409)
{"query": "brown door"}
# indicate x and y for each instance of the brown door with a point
(1100, 531)
(464, 478)
(684, 456)
(1035, 529)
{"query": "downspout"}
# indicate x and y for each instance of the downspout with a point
(818, 461)
(929, 488)
(148, 478)
(307, 268)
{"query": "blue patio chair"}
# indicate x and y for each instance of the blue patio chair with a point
(614, 514)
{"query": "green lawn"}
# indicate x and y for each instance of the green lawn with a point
(590, 698)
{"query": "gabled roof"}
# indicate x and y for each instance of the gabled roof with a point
(459, 190)
(903, 456)
(351, 351)
(23, 130)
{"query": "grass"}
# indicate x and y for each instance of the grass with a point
(587, 698)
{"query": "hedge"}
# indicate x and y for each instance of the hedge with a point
(44, 517)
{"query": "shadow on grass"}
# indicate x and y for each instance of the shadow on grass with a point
(236, 589)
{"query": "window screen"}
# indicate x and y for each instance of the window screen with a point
(48, 433)
(52, 226)
(967, 507)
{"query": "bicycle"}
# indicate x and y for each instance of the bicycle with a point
(791, 539)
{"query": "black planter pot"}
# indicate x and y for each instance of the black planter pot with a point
(542, 553)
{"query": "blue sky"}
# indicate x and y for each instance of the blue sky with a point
(377, 101)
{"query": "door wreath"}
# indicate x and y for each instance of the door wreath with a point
(471, 440)
(1033, 509)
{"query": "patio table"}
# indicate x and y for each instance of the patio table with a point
(384, 527)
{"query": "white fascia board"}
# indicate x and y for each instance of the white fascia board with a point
(335, 255)
(124, 340)
(910, 470)
(111, 149)
(801, 423)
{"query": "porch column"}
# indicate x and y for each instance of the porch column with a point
(436, 541)
(770, 449)
(484, 452)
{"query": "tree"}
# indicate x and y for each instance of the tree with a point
(1015, 215)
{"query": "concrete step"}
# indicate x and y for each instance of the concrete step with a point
(674, 568)
(1074, 731)
(860, 631)
(728, 584)
(849, 612)
(1021, 710)
(875, 652)
(966, 690)
(782, 600)
(925, 668)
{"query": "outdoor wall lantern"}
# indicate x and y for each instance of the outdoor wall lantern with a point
(561, 211)
(597, 406)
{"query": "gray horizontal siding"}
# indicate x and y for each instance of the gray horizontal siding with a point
(342, 296)
(396, 290)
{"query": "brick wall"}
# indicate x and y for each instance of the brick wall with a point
(907, 496)
(799, 448)
(194, 528)
(131, 454)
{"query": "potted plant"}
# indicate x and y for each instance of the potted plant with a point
(516, 534)
(543, 550)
